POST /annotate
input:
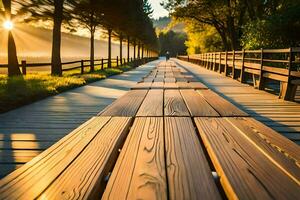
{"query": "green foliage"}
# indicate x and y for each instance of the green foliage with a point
(20, 90)
(280, 29)
(172, 42)
(202, 39)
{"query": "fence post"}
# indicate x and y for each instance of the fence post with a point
(233, 61)
(188, 58)
(82, 66)
(242, 76)
(24, 67)
(225, 67)
(215, 60)
(220, 60)
(287, 89)
(261, 78)
(102, 64)
(117, 61)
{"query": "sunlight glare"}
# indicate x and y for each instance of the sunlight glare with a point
(8, 25)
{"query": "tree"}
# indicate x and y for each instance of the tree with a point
(172, 42)
(88, 13)
(13, 65)
(57, 12)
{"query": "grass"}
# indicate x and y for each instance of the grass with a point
(22, 90)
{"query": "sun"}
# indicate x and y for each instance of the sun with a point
(8, 25)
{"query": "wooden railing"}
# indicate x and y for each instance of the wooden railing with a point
(262, 66)
(82, 64)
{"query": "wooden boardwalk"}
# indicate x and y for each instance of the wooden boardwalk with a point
(177, 140)
(27, 131)
(282, 116)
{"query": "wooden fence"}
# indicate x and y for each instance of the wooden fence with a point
(82, 64)
(262, 66)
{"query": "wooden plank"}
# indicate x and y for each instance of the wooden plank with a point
(245, 172)
(92, 165)
(174, 104)
(197, 85)
(148, 79)
(170, 80)
(142, 85)
(197, 104)
(140, 169)
(157, 85)
(272, 151)
(281, 143)
(126, 105)
(222, 106)
(153, 104)
(170, 86)
(189, 175)
(35, 176)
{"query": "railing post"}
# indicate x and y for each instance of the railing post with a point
(225, 67)
(287, 89)
(233, 62)
(242, 76)
(220, 60)
(215, 60)
(261, 78)
(102, 64)
(23, 63)
(188, 58)
(117, 61)
(82, 66)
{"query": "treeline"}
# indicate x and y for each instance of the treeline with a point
(127, 20)
(249, 24)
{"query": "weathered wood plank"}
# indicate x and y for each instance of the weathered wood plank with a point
(92, 165)
(189, 175)
(126, 105)
(157, 85)
(197, 104)
(35, 176)
(140, 169)
(153, 104)
(170, 86)
(273, 152)
(245, 172)
(142, 85)
(222, 106)
(174, 104)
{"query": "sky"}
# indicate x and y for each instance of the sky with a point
(159, 11)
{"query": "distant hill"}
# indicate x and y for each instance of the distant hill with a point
(165, 24)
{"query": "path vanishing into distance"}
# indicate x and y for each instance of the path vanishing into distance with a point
(28, 130)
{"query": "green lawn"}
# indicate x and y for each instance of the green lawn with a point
(18, 91)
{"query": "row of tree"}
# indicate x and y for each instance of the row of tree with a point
(242, 23)
(120, 18)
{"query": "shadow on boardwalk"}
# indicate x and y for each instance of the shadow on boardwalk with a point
(28, 130)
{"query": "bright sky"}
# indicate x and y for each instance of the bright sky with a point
(159, 11)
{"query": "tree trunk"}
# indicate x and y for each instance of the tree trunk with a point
(13, 65)
(139, 50)
(121, 49)
(224, 39)
(109, 48)
(134, 46)
(128, 49)
(92, 51)
(56, 68)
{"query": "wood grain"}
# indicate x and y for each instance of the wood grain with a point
(142, 85)
(174, 104)
(140, 169)
(197, 105)
(189, 175)
(92, 165)
(273, 152)
(153, 104)
(245, 172)
(126, 105)
(222, 106)
(35, 176)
